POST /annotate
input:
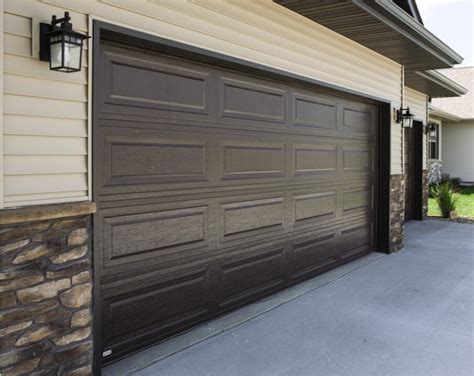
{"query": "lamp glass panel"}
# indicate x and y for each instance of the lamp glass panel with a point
(72, 55)
(56, 55)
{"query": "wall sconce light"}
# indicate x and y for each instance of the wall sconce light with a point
(431, 129)
(61, 45)
(405, 117)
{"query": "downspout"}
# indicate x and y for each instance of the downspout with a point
(401, 125)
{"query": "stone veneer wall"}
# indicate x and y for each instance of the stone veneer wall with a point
(425, 194)
(397, 212)
(45, 289)
(434, 172)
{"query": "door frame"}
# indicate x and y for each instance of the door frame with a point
(417, 191)
(105, 29)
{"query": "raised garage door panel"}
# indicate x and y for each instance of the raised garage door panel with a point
(215, 188)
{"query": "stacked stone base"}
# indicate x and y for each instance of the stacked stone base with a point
(397, 212)
(45, 288)
(434, 171)
(425, 194)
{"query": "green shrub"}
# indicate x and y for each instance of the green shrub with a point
(433, 189)
(445, 198)
(456, 182)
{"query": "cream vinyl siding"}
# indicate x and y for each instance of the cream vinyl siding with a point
(417, 103)
(458, 150)
(45, 120)
(2, 172)
(418, 106)
(396, 146)
(47, 111)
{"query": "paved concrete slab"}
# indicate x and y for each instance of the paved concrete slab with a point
(410, 313)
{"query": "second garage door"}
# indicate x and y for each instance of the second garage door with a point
(215, 187)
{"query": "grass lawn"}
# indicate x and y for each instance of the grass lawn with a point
(464, 205)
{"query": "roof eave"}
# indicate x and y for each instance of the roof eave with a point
(415, 29)
(443, 86)
(413, 46)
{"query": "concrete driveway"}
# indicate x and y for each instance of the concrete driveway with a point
(410, 313)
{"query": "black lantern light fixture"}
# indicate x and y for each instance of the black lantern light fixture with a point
(430, 129)
(405, 117)
(61, 45)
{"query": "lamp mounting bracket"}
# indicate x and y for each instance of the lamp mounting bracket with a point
(45, 28)
(44, 51)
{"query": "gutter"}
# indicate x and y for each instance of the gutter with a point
(443, 81)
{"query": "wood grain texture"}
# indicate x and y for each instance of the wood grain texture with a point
(224, 189)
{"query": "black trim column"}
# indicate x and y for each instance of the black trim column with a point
(418, 170)
(383, 186)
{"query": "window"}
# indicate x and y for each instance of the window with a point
(433, 142)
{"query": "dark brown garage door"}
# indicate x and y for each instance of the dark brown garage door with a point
(215, 188)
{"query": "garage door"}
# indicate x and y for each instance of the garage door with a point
(216, 187)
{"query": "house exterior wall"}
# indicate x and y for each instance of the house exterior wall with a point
(396, 161)
(418, 102)
(47, 146)
(458, 150)
(45, 133)
(1, 106)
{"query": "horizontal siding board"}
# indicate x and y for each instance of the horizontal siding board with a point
(17, 45)
(228, 16)
(458, 150)
(425, 151)
(34, 145)
(43, 88)
(396, 149)
(44, 164)
(44, 199)
(34, 106)
(47, 196)
(30, 184)
(44, 126)
(44, 11)
(30, 67)
(17, 25)
(417, 103)
(1, 103)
